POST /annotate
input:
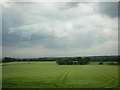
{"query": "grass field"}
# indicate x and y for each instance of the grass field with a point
(51, 75)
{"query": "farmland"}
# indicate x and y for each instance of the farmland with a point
(50, 75)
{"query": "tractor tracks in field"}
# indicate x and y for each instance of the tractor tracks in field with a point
(65, 78)
(62, 79)
(110, 81)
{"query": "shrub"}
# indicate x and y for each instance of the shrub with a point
(100, 63)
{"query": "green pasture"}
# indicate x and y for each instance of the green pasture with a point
(51, 75)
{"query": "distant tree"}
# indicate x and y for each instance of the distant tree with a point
(80, 60)
(8, 59)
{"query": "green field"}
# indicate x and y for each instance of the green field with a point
(51, 75)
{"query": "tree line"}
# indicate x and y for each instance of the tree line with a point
(66, 60)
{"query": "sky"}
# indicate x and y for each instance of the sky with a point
(59, 29)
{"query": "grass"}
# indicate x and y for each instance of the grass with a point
(51, 75)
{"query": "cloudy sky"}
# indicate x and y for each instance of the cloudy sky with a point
(38, 29)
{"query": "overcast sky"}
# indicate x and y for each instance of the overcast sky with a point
(59, 29)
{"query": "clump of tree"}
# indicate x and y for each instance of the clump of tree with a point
(75, 61)
(64, 62)
(83, 61)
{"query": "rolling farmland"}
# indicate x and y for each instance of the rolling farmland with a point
(51, 75)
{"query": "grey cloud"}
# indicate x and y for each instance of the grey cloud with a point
(29, 24)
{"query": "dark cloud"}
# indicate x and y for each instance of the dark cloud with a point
(108, 8)
(51, 41)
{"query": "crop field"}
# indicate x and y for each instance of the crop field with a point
(51, 75)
